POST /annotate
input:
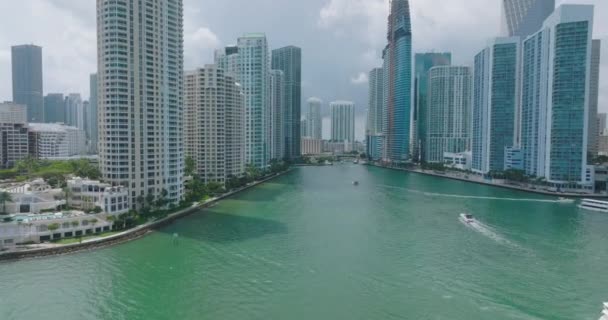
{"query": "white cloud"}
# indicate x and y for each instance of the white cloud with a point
(361, 78)
(199, 46)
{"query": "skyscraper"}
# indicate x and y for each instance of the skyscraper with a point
(556, 96)
(27, 80)
(342, 121)
(375, 114)
(54, 108)
(495, 103)
(423, 63)
(14, 140)
(594, 86)
(314, 121)
(92, 117)
(289, 60)
(522, 18)
(74, 110)
(214, 125)
(449, 111)
(398, 60)
(253, 72)
(278, 114)
(140, 68)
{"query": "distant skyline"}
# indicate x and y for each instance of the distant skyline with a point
(341, 40)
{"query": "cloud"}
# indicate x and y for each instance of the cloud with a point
(359, 79)
(199, 47)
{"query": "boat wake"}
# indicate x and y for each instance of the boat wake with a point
(458, 196)
(488, 231)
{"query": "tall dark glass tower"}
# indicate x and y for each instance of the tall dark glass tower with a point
(398, 77)
(522, 18)
(289, 60)
(27, 80)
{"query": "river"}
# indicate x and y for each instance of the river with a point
(310, 245)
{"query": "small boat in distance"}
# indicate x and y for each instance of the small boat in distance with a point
(605, 312)
(594, 205)
(356, 162)
(564, 200)
(468, 218)
(355, 183)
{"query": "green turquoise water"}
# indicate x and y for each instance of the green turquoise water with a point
(310, 245)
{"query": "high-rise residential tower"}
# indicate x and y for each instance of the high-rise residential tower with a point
(289, 60)
(522, 18)
(449, 111)
(278, 114)
(74, 110)
(375, 114)
(398, 76)
(27, 80)
(92, 117)
(214, 125)
(423, 63)
(54, 108)
(342, 121)
(594, 87)
(556, 95)
(253, 73)
(495, 103)
(314, 121)
(14, 139)
(140, 85)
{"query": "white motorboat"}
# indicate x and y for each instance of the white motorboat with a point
(594, 205)
(468, 218)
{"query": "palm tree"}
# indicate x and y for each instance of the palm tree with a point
(67, 193)
(4, 198)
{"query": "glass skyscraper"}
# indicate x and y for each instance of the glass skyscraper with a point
(556, 94)
(54, 108)
(423, 63)
(289, 60)
(375, 111)
(398, 76)
(495, 103)
(449, 111)
(27, 80)
(522, 18)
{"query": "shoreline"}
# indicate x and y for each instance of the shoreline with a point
(503, 186)
(127, 235)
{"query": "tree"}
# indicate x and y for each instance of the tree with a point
(252, 172)
(190, 166)
(4, 198)
(75, 223)
(67, 192)
(83, 168)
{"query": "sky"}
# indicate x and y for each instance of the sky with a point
(341, 40)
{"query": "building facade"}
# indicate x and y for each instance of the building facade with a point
(375, 114)
(311, 146)
(398, 76)
(141, 108)
(342, 121)
(289, 61)
(522, 18)
(423, 63)
(54, 108)
(214, 125)
(75, 112)
(14, 143)
(556, 96)
(496, 88)
(449, 111)
(92, 116)
(314, 119)
(55, 140)
(27, 80)
(278, 114)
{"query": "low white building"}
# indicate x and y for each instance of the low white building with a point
(310, 146)
(36, 228)
(54, 140)
(32, 197)
(460, 160)
(87, 195)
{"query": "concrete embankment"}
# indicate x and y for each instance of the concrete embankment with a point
(125, 236)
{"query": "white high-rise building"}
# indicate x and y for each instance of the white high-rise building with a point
(556, 96)
(55, 140)
(140, 85)
(14, 142)
(214, 124)
(314, 121)
(92, 118)
(449, 111)
(277, 115)
(342, 121)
